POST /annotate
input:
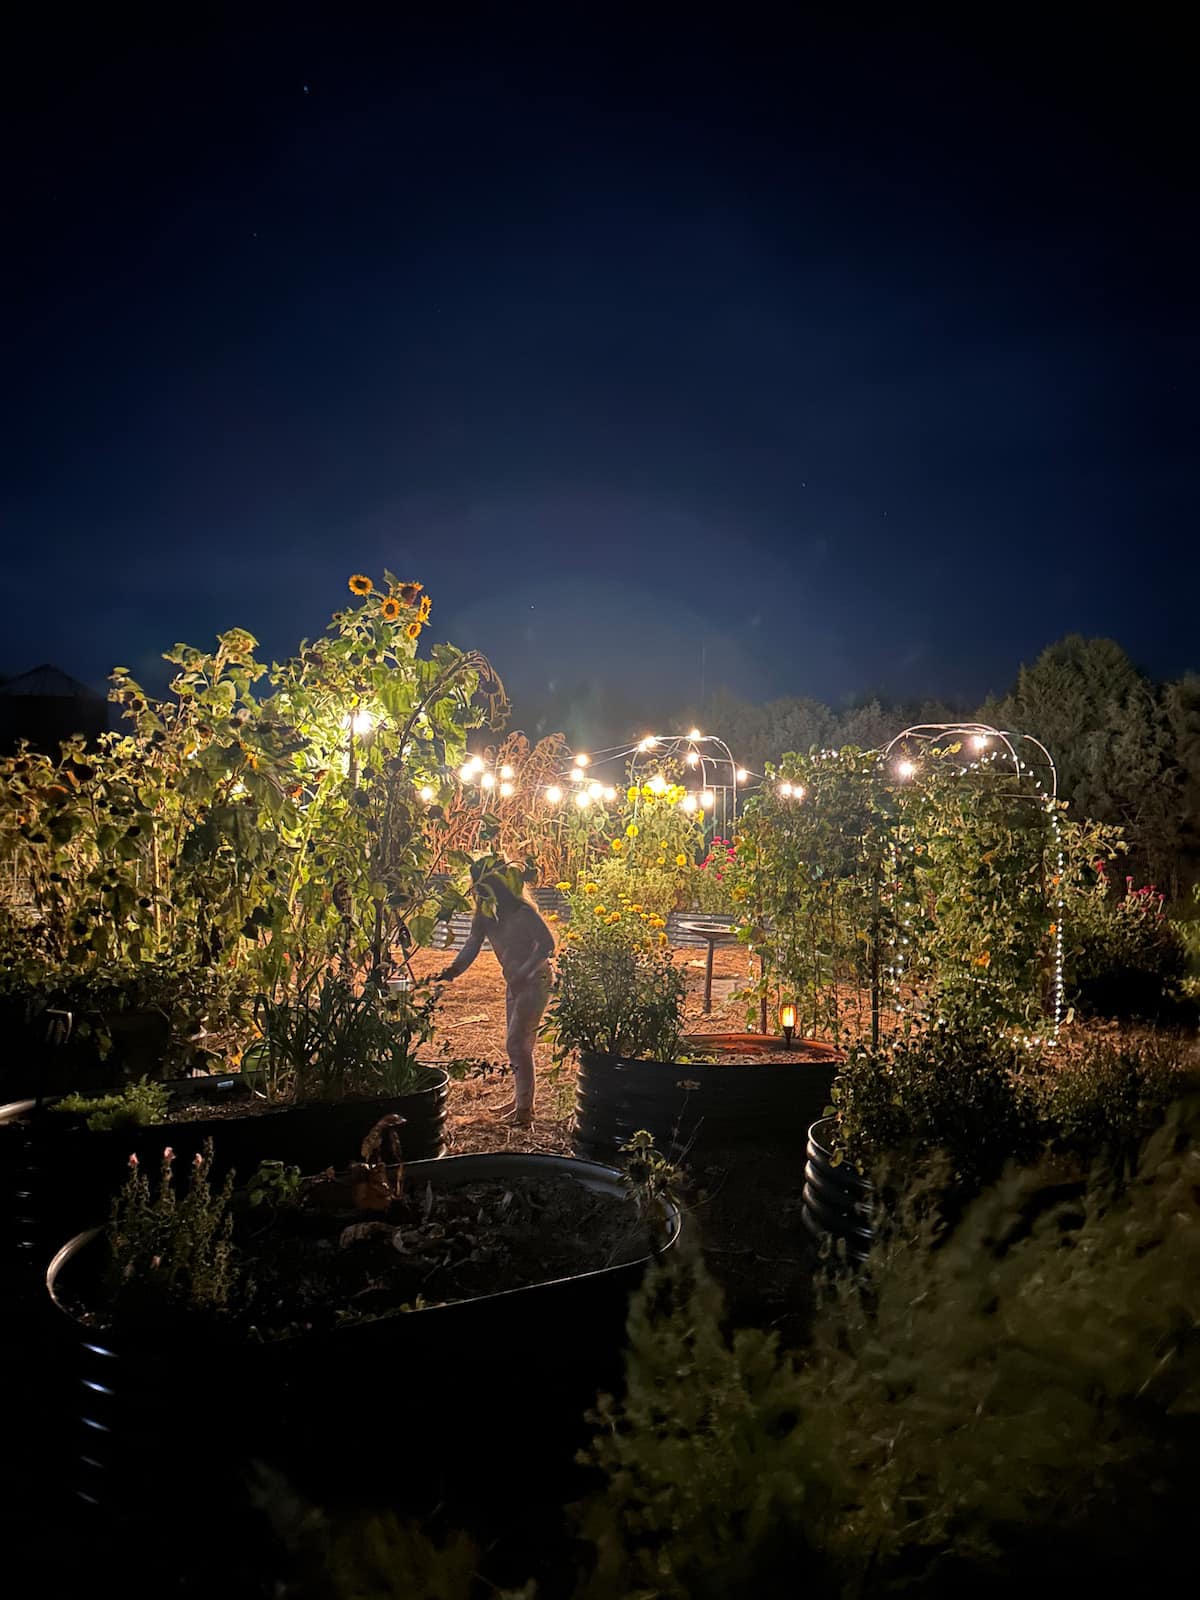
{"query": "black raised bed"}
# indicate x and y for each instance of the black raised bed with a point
(401, 1411)
(56, 1176)
(838, 1201)
(693, 1107)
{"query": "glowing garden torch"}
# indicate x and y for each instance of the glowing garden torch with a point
(787, 1022)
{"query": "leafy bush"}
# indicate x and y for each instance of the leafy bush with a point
(1124, 956)
(936, 1090)
(1017, 1406)
(139, 1106)
(166, 1254)
(1104, 1101)
(619, 991)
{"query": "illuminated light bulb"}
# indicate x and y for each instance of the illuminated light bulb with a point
(692, 758)
(979, 742)
(798, 791)
(741, 775)
(689, 802)
(581, 760)
(488, 781)
(658, 784)
(905, 769)
(695, 734)
(610, 794)
(595, 790)
(361, 723)
(554, 794)
(426, 792)
(583, 799)
(785, 790)
(576, 774)
(506, 771)
(475, 763)
(506, 789)
(466, 772)
(708, 800)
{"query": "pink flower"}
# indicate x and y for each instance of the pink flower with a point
(133, 1160)
(168, 1154)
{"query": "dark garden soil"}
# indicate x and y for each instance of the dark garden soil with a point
(351, 1249)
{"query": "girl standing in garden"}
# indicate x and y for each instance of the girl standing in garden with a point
(523, 945)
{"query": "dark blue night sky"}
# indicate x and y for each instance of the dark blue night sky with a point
(865, 358)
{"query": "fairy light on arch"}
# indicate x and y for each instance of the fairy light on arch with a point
(987, 745)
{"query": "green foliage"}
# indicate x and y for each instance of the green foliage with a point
(719, 886)
(1018, 1404)
(1101, 1101)
(650, 1178)
(1124, 956)
(274, 1185)
(329, 1039)
(936, 1091)
(170, 1255)
(138, 1106)
(619, 991)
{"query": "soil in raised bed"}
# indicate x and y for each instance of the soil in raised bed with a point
(349, 1250)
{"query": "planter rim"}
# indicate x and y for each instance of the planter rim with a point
(826, 1054)
(817, 1136)
(484, 1165)
(13, 1110)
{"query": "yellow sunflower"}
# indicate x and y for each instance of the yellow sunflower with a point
(409, 593)
(424, 608)
(681, 860)
(617, 847)
(413, 631)
(631, 832)
(360, 584)
(390, 610)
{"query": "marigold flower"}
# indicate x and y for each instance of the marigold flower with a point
(599, 909)
(662, 938)
(681, 860)
(613, 916)
(361, 584)
(631, 832)
(390, 609)
(635, 907)
(413, 631)
(590, 888)
(658, 922)
(552, 916)
(562, 887)
(661, 862)
(617, 847)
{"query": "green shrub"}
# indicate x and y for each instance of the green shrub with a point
(1102, 1102)
(936, 1090)
(619, 991)
(1124, 957)
(1019, 1405)
(139, 1106)
(169, 1254)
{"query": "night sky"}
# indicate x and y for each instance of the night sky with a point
(864, 358)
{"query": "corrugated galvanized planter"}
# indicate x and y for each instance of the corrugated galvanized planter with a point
(838, 1201)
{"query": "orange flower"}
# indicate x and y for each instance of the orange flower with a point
(390, 610)
(360, 584)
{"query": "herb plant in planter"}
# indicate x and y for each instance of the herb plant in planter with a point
(332, 1292)
(619, 1004)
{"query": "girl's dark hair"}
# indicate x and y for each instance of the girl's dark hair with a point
(506, 900)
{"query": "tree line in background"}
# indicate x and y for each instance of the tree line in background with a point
(1127, 748)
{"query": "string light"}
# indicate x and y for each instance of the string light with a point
(695, 734)
(595, 790)
(582, 799)
(475, 764)
(658, 784)
(506, 771)
(576, 774)
(426, 792)
(741, 775)
(360, 723)
(554, 794)
(785, 789)
(708, 799)
(582, 760)
(610, 794)
(979, 742)
(506, 789)
(689, 802)
(488, 781)
(466, 772)
(905, 769)
(692, 758)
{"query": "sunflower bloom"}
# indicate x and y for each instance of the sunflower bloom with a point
(409, 593)
(424, 608)
(390, 610)
(361, 584)
(681, 860)
(413, 631)
(631, 832)
(616, 847)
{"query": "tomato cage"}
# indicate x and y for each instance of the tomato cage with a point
(1004, 773)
